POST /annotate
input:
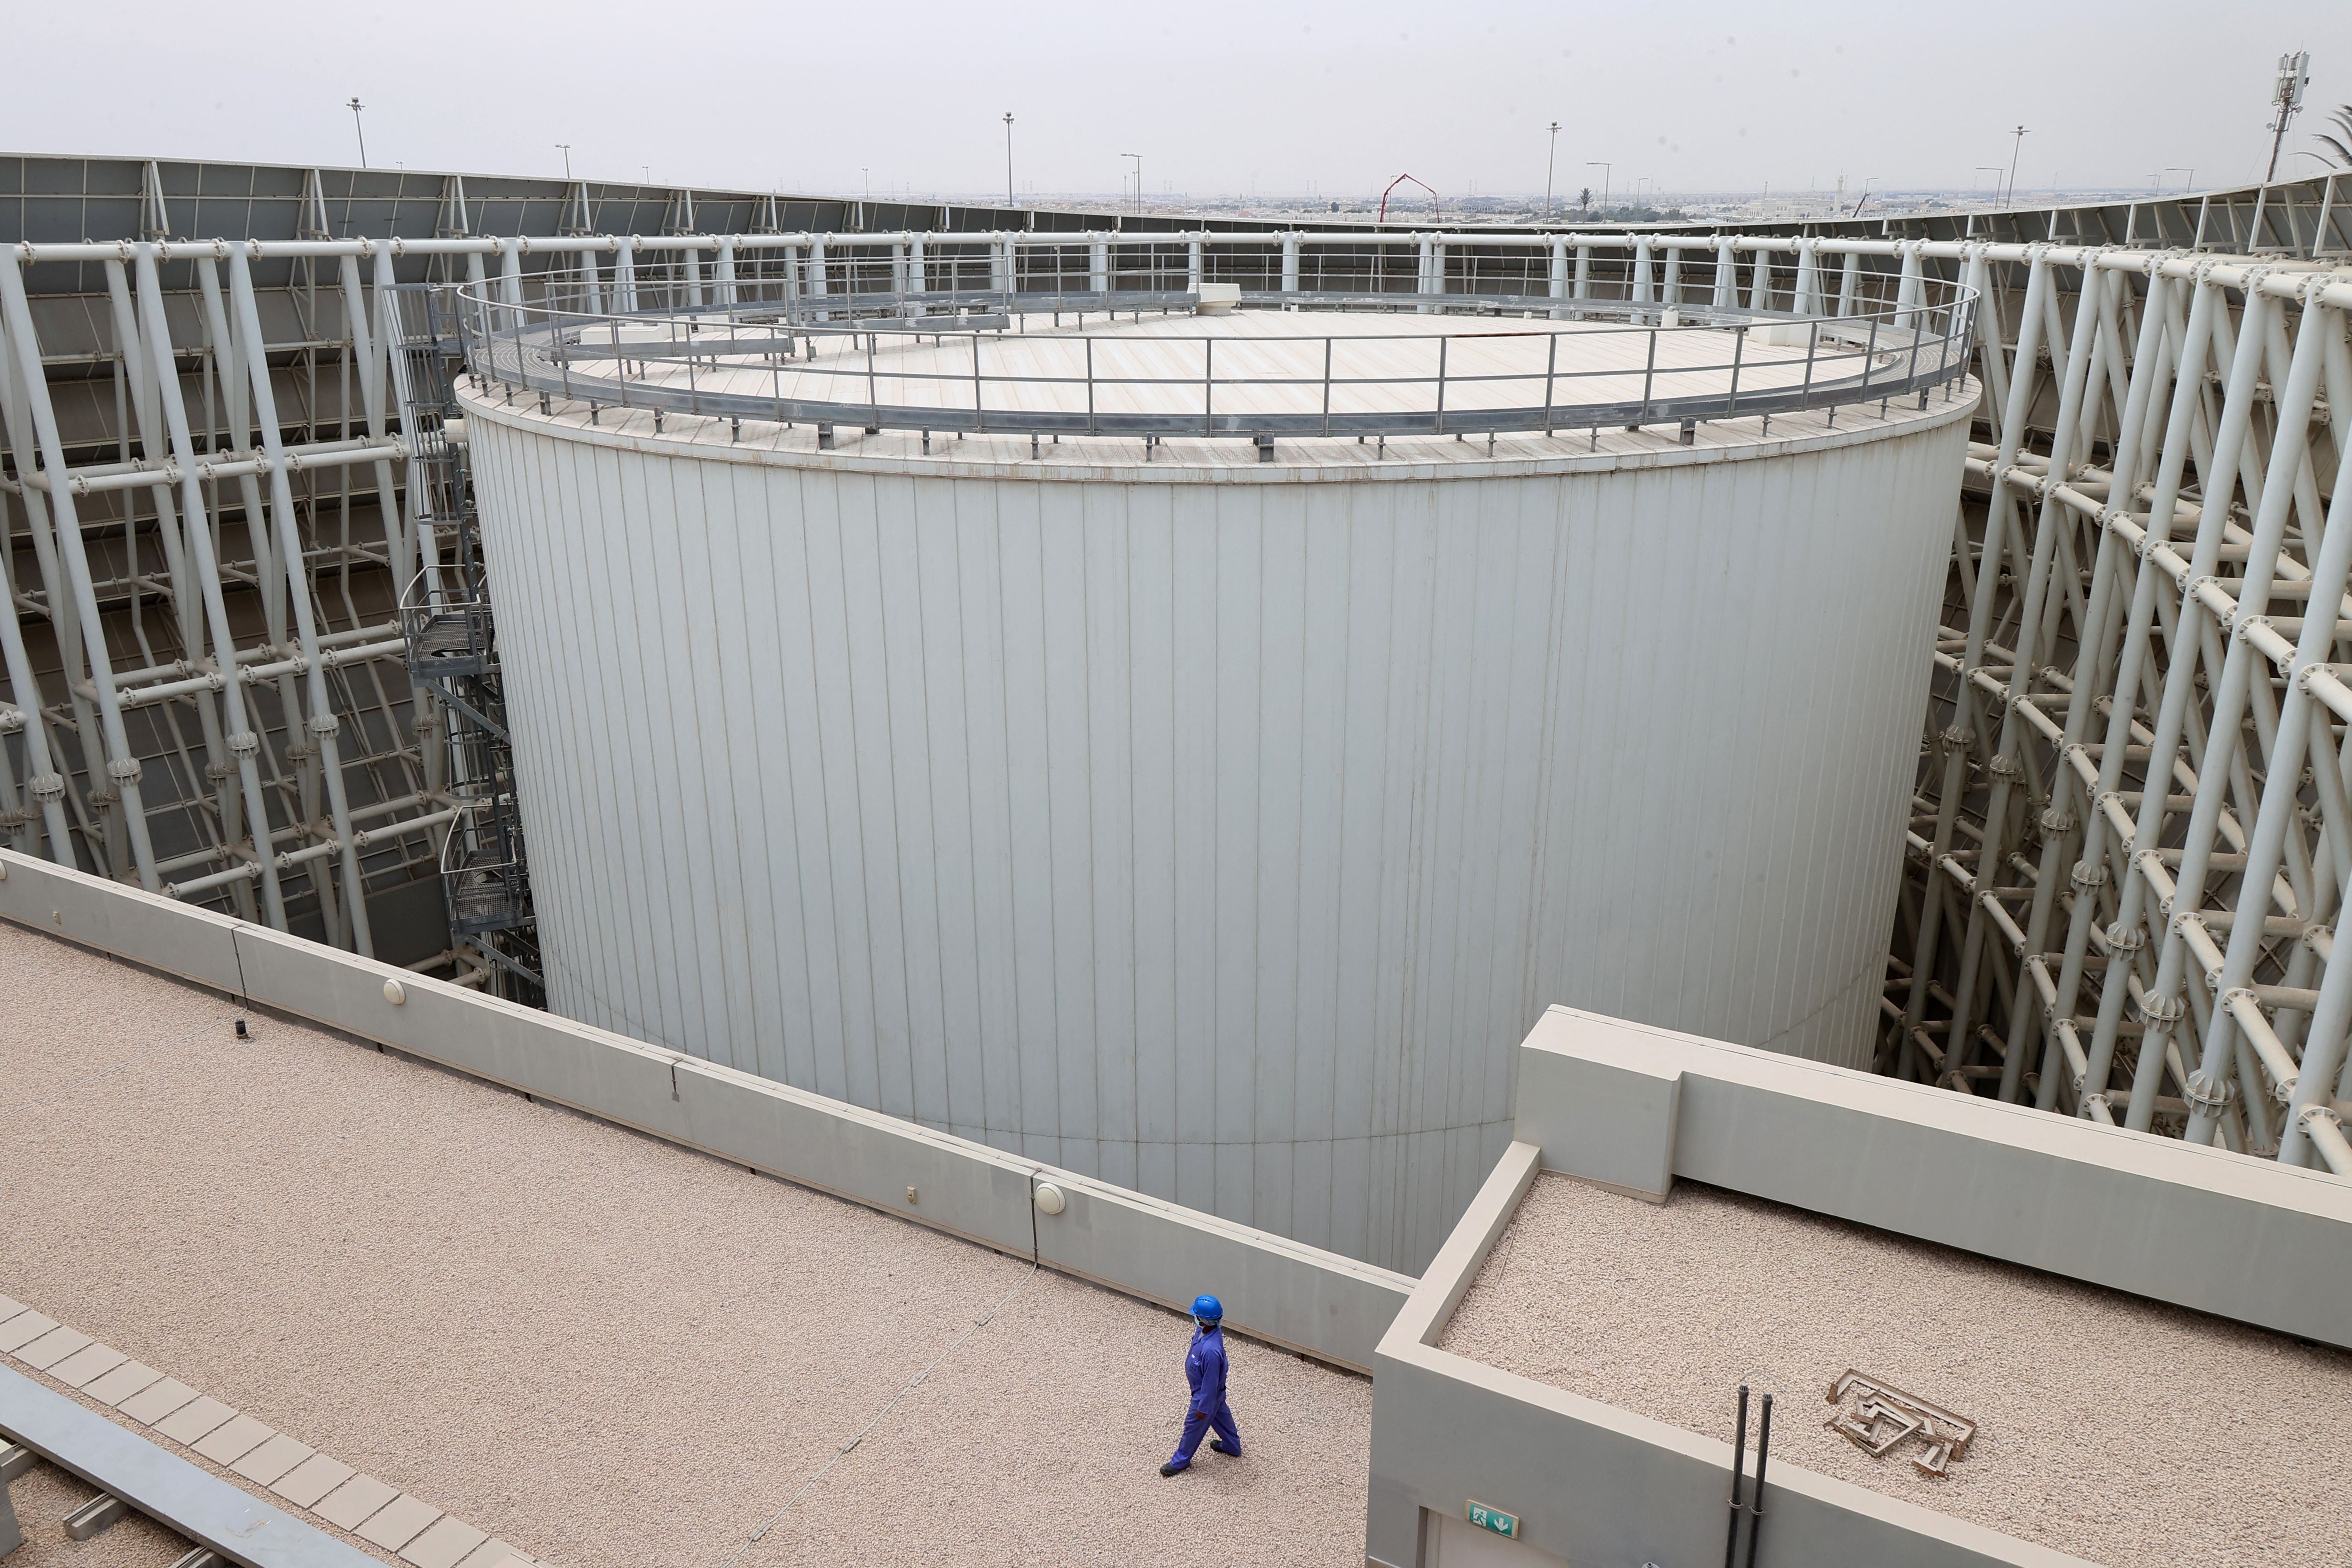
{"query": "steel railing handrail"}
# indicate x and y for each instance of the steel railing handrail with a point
(1875, 351)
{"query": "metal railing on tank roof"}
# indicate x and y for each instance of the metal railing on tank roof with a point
(1089, 364)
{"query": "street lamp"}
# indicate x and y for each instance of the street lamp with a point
(1604, 168)
(1994, 170)
(567, 161)
(355, 106)
(2177, 169)
(1008, 157)
(1551, 160)
(2015, 148)
(1138, 180)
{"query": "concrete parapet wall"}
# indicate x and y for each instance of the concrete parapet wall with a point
(1632, 1108)
(1591, 1483)
(1331, 1308)
(2252, 1240)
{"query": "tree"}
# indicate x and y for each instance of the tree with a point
(1584, 198)
(2339, 149)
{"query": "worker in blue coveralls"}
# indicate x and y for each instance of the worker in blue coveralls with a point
(1204, 1369)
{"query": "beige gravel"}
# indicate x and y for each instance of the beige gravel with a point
(2110, 1427)
(45, 1495)
(597, 1346)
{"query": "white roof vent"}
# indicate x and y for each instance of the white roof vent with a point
(1216, 299)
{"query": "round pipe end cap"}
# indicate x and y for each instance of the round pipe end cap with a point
(1050, 1199)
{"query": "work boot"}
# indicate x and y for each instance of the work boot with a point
(1218, 1443)
(1173, 1469)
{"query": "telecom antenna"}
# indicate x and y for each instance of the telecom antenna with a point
(2286, 99)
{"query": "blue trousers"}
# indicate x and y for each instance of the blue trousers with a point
(1196, 1426)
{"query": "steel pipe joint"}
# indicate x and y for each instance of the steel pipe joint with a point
(2209, 1092)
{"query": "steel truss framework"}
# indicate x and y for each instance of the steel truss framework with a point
(2145, 559)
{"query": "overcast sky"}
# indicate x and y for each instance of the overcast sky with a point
(1217, 96)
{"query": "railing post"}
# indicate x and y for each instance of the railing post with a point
(1326, 386)
(514, 319)
(1552, 369)
(1208, 385)
(1441, 383)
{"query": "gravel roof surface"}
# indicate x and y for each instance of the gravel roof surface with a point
(600, 1347)
(2109, 1427)
(45, 1495)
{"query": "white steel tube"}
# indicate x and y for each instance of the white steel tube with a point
(244, 744)
(122, 762)
(2283, 784)
(2220, 478)
(322, 721)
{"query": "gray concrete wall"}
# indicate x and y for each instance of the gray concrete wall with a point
(2250, 1240)
(1331, 1308)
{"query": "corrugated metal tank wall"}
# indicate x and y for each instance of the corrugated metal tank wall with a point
(1213, 834)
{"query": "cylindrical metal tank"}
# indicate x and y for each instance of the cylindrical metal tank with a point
(1214, 826)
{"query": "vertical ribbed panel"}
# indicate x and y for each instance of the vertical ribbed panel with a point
(1219, 838)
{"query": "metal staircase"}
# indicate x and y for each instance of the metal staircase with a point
(445, 619)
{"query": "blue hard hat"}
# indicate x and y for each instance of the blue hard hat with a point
(1207, 1309)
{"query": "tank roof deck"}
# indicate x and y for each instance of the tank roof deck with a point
(1260, 362)
(2092, 1438)
(601, 1348)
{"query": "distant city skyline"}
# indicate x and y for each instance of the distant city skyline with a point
(1222, 101)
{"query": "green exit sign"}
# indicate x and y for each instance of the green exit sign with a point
(1486, 1516)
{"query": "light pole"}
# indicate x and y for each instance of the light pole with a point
(1008, 157)
(2177, 169)
(1604, 168)
(355, 106)
(1138, 180)
(567, 161)
(2015, 148)
(1994, 170)
(1551, 160)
